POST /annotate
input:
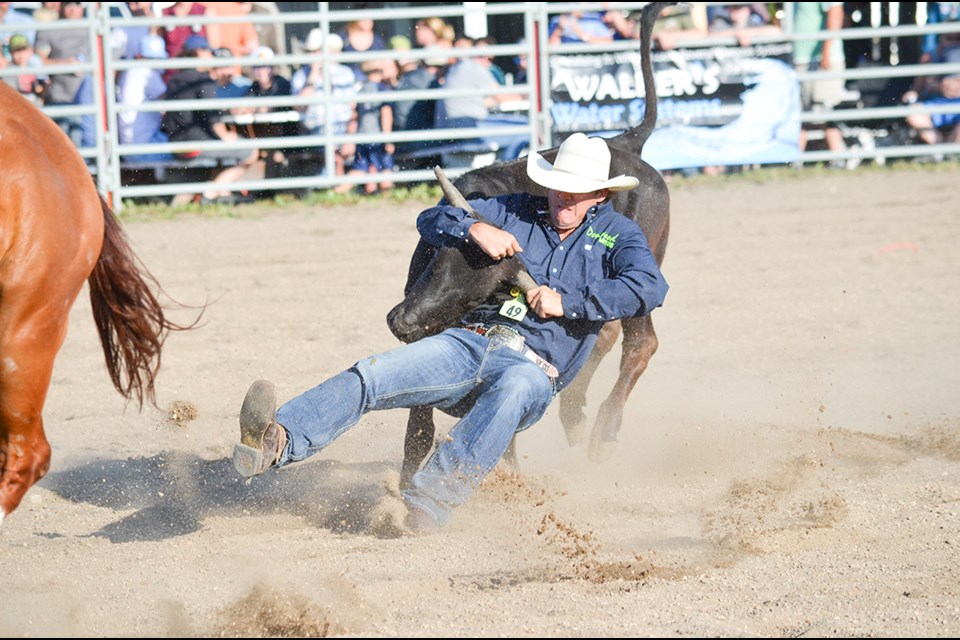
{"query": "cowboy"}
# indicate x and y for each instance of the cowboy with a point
(505, 363)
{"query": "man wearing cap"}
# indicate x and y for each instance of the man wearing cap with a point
(505, 362)
(231, 83)
(9, 16)
(197, 83)
(30, 83)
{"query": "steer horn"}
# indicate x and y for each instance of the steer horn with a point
(524, 280)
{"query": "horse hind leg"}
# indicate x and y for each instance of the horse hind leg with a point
(639, 344)
(573, 399)
(27, 353)
(24, 459)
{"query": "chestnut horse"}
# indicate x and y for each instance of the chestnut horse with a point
(57, 232)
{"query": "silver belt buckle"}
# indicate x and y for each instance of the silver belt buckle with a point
(510, 338)
(507, 336)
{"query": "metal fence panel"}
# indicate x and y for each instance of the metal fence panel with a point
(106, 156)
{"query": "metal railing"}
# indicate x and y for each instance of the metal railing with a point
(106, 157)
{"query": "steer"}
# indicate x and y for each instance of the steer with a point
(471, 277)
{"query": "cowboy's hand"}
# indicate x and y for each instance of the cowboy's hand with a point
(545, 302)
(494, 242)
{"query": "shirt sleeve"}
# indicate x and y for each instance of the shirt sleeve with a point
(446, 225)
(635, 287)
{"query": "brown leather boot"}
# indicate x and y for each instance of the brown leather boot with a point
(262, 438)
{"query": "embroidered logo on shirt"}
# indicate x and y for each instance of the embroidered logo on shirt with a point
(603, 238)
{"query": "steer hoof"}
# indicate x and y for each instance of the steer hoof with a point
(576, 433)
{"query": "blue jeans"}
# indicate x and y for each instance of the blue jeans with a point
(511, 393)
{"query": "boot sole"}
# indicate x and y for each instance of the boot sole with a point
(256, 414)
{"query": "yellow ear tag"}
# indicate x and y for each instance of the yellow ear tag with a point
(516, 307)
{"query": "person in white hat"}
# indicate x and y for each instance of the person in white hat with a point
(502, 366)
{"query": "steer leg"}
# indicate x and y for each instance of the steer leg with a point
(417, 442)
(509, 457)
(639, 344)
(574, 398)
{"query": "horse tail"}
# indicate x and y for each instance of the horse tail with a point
(129, 318)
(648, 17)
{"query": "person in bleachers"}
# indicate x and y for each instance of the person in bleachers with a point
(820, 55)
(684, 21)
(125, 41)
(359, 36)
(69, 46)
(487, 60)
(9, 16)
(308, 81)
(267, 83)
(417, 115)
(469, 111)
(936, 128)
(231, 83)
(433, 32)
(374, 158)
(176, 36)
(241, 38)
(135, 86)
(579, 26)
(47, 11)
(31, 83)
(742, 21)
(196, 83)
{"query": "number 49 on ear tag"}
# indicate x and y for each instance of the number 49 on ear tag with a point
(515, 308)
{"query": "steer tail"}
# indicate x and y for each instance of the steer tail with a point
(638, 135)
(130, 320)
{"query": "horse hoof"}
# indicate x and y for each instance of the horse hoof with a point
(601, 451)
(576, 433)
(603, 443)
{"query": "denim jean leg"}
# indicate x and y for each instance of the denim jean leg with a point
(438, 370)
(516, 394)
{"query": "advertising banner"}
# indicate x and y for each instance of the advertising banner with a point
(716, 105)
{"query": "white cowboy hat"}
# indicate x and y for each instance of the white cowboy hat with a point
(582, 166)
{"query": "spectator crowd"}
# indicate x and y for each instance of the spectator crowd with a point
(209, 77)
(361, 91)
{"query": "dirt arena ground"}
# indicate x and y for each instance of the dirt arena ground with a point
(789, 464)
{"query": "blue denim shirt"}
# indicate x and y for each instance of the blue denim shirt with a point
(604, 270)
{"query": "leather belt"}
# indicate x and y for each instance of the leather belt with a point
(510, 338)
